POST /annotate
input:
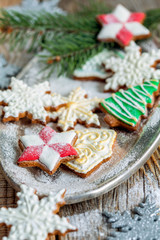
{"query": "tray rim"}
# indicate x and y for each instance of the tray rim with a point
(115, 181)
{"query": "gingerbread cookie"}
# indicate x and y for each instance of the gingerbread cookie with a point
(94, 147)
(126, 107)
(35, 219)
(77, 109)
(93, 69)
(122, 26)
(47, 150)
(133, 69)
(21, 101)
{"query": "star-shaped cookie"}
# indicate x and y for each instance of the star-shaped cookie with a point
(35, 219)
(47, 150)
(21, 101)
(77, 109)
(122, 26)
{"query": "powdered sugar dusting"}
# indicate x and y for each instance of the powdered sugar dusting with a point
(127, 143)
(65, 178)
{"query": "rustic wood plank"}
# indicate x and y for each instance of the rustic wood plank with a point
(5, 3)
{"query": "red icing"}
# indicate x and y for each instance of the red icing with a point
(124, 36)
(107, 19)
(63, 149)
(46, 134)
(33, 153)
(136, 17)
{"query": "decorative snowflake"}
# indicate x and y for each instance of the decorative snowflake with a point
(35, 219)
(122, 26)
(145, 224)
(23, 101)
(133, 69)
(77, 109)
(6, 71)
(35, 5)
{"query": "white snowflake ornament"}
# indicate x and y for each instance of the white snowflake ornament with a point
(77, 109)
(35, 219)
(36, 6)
(23, 101)
(133, 69)
(6, 71)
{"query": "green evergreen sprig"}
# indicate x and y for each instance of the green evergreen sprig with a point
(68, 40)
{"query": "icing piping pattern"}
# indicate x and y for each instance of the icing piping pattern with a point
(133, 69)
(93, 146)
(33, 218)
(129, 105)
(77, 108)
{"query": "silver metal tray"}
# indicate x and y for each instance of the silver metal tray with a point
(131, 150)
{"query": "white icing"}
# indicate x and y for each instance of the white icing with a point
(77, 108)
(93, 67)
(24, 99)
(136, 28)
(34, 219)
(93, 146)
(121, 13)
(110, 30)
(49, 157)
(64, 137)
(31, 140)
(133, 69)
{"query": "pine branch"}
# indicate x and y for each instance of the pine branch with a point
(69, 40)
(152, 19)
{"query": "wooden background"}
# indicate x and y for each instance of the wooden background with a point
(87, 216)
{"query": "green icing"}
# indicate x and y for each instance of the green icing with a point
(129, 105)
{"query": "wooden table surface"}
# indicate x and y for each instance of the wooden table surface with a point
(87, 216)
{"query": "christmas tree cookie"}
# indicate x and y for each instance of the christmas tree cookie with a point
(126, 107)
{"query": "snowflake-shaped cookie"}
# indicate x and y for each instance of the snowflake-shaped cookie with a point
(35, 219)
(47, 150)
(133, 69)
(122, 26)
(6, 72)
(77, 109)
(23, 101)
